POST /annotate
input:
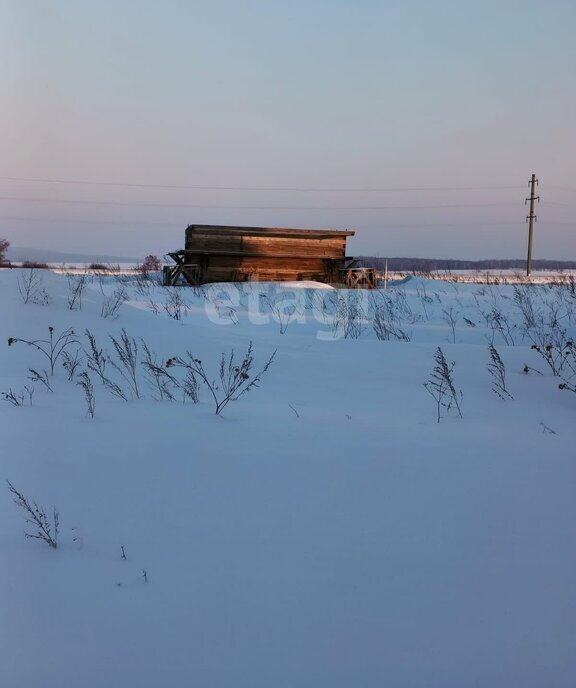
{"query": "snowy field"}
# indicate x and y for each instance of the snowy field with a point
(323, 530)
(495, 276)
(510, 276)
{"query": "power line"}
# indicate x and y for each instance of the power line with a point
(131, 223)
(82, 182)
(66, 201)
(175, 223)
(561, 188)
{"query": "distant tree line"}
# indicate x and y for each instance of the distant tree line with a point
(447, 265)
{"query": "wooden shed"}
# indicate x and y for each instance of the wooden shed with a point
(214, 253)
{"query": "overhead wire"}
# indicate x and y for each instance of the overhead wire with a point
(135, 223)
(208, 206)
(66, 201)
(83, 182)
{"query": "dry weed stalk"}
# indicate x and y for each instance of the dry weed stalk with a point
(46, 529)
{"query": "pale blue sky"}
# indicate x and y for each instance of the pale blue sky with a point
(317, 94)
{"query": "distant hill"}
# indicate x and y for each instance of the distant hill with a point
(432, 264)
(19, 254)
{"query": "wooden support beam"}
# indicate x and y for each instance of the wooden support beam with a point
(359, 278)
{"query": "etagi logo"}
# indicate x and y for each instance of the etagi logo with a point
(336, 313)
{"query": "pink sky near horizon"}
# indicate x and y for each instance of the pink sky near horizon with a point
(446, 110)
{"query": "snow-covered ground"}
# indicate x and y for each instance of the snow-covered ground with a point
(324, 530)
(494, 276)
(510, 276)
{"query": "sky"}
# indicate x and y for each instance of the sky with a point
(416, 124)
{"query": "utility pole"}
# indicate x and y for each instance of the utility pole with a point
(530, 219)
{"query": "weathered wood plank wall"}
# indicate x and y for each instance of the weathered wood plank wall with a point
(226, 253)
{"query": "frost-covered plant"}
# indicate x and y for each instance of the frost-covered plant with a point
(523, 298)
(112, 303)
(441, 387)
(349, 317)
(142, 285)
(17, 398)
(389, 311)
(559, 357)
(175, 304)
(546, 430)
(569, 367)
(127, 351)
(45, 527)
(190, 387)
(234, 378)
(53, 347)
(402, 307)
(76, 286)
(497, 371)
(450, 317)
(85, 382)
(96, 361)
(153, 306)
(159, 379)
(70, 363)
(543, 317)
(282, 311)
(40, 376)
(30, 286)
(571, 387)
(500, 324)
(386, 330)
(424, 299)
